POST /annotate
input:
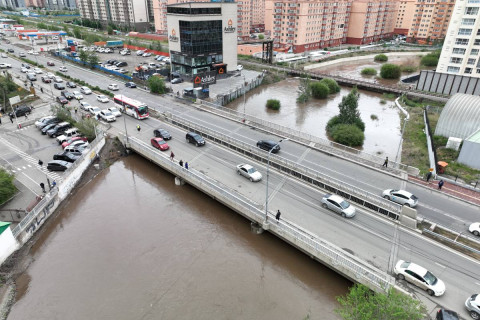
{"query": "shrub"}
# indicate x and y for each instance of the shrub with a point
(429, 61)
(408, 69)
(332, 85)
(273, 104)
(156, 85)
(319, 90)
(373, 117)
(380, 58)
(7, 187)
(332, 123)
(383, 101)
(369, 72)
(390, 71)
(348, 134)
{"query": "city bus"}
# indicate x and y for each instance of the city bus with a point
(131, 107)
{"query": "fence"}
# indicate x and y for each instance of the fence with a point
(319, 248)
(224, 99)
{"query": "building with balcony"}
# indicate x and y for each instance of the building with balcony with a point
(461, 48)
(202, 37)
(12, 4)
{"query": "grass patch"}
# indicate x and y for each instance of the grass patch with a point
(369, 72)
(389, 96)
(454, 168)
(383, 101)
(373, 117)
(408, 69)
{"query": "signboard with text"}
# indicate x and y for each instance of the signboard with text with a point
(204, 79)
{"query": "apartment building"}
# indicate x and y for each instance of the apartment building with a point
(303, 25)
(371, 21)
(423, 20)
(35, 3)
(133, 13)
(13, 4)
(461, 48)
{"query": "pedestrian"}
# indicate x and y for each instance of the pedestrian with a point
(277, 216)
(180, 163)
(41, 89)
(54, 183)
(26, 117)
(429, 176)
(40, 163)
(0, 119)
(42, 185)
(11, 119)
(138, 128)
(186, 165)
(172, 155)
(76, 109)
(385, 163)
(440, 184)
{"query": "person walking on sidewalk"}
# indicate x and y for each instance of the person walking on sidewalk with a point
(180, 163)
(277, 216)
(138, 128)
(440, 184)
(186, 165)
(172, 155)
(42, 185)
(429, 176)
(385, 163)
(40, 163)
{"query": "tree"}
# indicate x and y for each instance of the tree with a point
(304, 92)
(319, 90)
(156, 85)
(348, 134)
(77, 33)
(93, 59)
(349, 108)
(363, 304)
(261, 36)
(273, 104)
(390, 71)
(7, 187)
(331, 84)
(109, 30)
(84, 56)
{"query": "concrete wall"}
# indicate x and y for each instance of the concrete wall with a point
(470, 154)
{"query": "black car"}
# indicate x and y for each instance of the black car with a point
(268, 145)
(59, 86)
(68, 95)
(195, 138)
(121, 64)
(71, 84)
(47, 122)
(58, 129)
(66, 156)
(20, 111)
(162, 133)
(46, 79)
(62, 100)
(26, 65)
(48, 127)
(130, 85)
(112, 61)
(11, 50)
(443, 314)
(58, 165)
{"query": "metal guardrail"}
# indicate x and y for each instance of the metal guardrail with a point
(355, 194)
(464, 246)
(246, 207)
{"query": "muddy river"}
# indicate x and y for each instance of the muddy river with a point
(132, 245)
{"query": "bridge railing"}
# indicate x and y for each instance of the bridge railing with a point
(321, 249)
(316, 178)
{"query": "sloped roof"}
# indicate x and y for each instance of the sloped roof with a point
(460, 116)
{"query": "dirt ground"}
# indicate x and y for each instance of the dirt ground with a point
(19, 261)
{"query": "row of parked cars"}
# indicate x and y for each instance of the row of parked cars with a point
(70, 139)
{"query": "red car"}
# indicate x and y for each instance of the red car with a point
(71, 140)
(159, 143)
(50, 63)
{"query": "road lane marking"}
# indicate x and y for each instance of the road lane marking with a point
(440, 265)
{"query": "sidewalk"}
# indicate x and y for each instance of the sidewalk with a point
(451, 189)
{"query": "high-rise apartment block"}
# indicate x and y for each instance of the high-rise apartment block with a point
(461, 48)
(13, 4)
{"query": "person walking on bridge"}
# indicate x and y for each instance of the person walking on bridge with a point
(385, 163)
(172, 155)
(138, 128)
(277, 216)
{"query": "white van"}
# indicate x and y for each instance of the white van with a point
(152, 65)
(67, 135)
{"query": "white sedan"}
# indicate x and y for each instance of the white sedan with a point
(239, 67)
(249, 172)
(402, 197)
(24, 70)
(38, 71)
(113, 87)
(85, 90)
(475, 228)
(339, 205)
(107, 116)
(114, 111)
(420, 277)
(77, 95)
(63, 69)
(85, 105)
(102, 98)
(5, 65)
(94, 110)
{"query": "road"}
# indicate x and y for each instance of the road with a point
(369, 237)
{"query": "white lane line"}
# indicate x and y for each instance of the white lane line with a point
(33, 182)
(440, 265)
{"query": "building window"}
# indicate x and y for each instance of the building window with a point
(459, 51)
(476, 42)
(468, 22)
(453, 69)
(464, 32)
(471, 10)
(456, 60)
(462, 42)
(468, 70)
(474, 52)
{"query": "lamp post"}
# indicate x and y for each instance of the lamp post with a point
(268, 166)
(244, 91)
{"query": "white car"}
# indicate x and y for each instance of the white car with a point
(339, 205)
(121, 70)
(4, 55)
(6, 65)
(94, 110)
(57, 79)
(85, 90)
(102, 98)
(402, 197)
(473, 305)
(101, 50)
(249, 172)
(239, 67)
(107, 116)
(50, 75)
(114, 111)
(475, 228)
(140, 52)
(77, 95)
(167, 59)
(146, 54)
(420, 277)
(24, 70)
(37, 70)
(85, 105)
(35, 53)
(63, 69)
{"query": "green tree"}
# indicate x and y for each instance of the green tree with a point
(109, 30)
(77, 33)
(319, 90)
(7, 187)
(273, 104)
(304, 92)
(84, 56)
(369, 71)
(349, 108)
(431, 59)
(331, 84)
(156, 85)
(42, 25)
(380, 58)
(390, 71)
(363, 304)
(348, 134)
(93, 59)
(87, 128)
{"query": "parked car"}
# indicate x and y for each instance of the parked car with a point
(57, 79)
(77, 95)
(62, 100)
(63, 69)
(239, 67)
(50, 63)
(37, 71)
(66, 156)
(473, 306)
(85, 90)
(107, 116)
(419, 276)
(140, 52)
(177, 80)
(41, 122)
(162, 133)
(49, 126)
(71, 84)
(58, 129)
(249, 172)
(113, 87)
(94, 110)
(338, 205)
(67, 95)
(22, 54)
(5, 65)
(48, 121)
(400, 196)
(68, 134)
(268, 145)
(20, 111)
(159, 143)
(121, 64)
(195, 138)
(85, 105)
(11, 50)
(115, 111)
(46, 79)
(443, 314)
(102, 98)
(58, 165)
(59, 86)
(80, 149)
(475, 228)
(72, 140)
(130, 85)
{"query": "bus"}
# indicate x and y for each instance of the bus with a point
(132, 107)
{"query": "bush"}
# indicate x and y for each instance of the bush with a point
(429, 61)
(382, 101)
(319, 90)
(334, 121)
(156, 85)
(390, 71)
(273, 104)
(369, 72)
(380, 58)
(373, 117)
(332, 85)
(348, 134)
(408, 69)
(7, 187)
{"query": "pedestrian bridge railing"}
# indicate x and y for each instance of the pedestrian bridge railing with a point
(327, 253)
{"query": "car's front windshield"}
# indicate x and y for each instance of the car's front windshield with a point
(344, 204)
(252, 170)
(430, 278)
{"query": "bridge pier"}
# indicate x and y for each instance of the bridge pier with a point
(256, 228)
(179, 181)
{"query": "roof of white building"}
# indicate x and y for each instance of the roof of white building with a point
(460, 117)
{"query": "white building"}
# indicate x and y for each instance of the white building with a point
(460, 53)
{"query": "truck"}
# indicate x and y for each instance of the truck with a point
(114, 44)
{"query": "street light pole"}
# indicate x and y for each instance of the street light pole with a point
(244, 91)
(268, 166)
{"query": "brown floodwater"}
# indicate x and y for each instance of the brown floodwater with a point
(382, 121)
(132, 245)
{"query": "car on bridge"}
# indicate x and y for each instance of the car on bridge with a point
(249, 172)
(268, 145)
(46, 79)
(107, 116)
(475, 229)
(473, 306)
(114, 111)
(402, 197)
(162, 133)
(419, 276)
(130, 85)
(338, 205)
(195, 138)
(159, 143)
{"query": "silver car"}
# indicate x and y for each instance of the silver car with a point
(402, 197)
(473, 306)
(339, 205)
(249, 172)
(419, 276)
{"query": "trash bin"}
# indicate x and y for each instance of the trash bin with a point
(441, 165)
